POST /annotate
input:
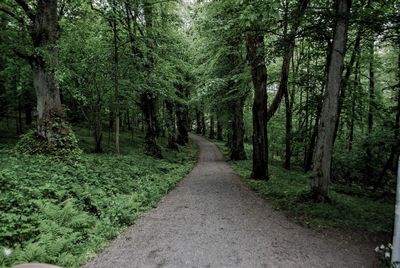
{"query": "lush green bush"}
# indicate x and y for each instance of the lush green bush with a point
(64, 212)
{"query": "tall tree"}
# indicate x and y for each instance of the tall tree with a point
(44, 30)
(255, 54)
(116, 77)
(236, 145)
(212, 127)
(148, 98)
(326, 130)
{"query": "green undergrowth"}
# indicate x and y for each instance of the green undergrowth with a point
(286, 190)
(65, 212)
(63, 142)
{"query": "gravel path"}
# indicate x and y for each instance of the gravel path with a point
(211, 219)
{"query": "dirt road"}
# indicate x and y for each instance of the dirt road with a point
(213, 220)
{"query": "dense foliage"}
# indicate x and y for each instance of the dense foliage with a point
(312, 86)
(65, 212)
(351, 208)
(298, 40)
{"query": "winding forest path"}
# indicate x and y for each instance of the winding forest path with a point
(211, 219)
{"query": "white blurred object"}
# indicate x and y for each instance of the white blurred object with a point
(7, 251)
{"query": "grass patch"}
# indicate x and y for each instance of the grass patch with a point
(286, 190)
(64, 213)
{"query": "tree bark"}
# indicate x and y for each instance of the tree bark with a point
(212, 127)
(98, 127)
(255, 52)
(288, 134)
(28, 114)
(353, 106)
(148, 105)
(311, 151)
(219, 130)
(203, 124)
(182, 115)
(326, 129)
(349, 69)
(45, 34)
(236, 144)
(148, 98)
(170, 124)
(19, 116)
(371, 101)
(198, 121)
(116, 82)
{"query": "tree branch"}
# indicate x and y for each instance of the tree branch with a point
(26, 9)
(13, 15)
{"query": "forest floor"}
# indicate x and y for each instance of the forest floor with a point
(212, 219)
(65, 212)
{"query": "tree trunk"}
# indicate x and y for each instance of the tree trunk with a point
(310, 155)
(203, 124)
(212, 127)
(110, 125)
(98, 127)
(45, 33)
(128, 120)
(371, 93)
(236, 144)
(116, 85)
(182, 115)
(353, 106)
(288, 136)
(19, 116)
(219, 130)
(349, 68)
(255, 52)
(198, 121)
(150, 115)
(148, 98)
(351, 127)
(326, 128)
(311, 151)
(170, 124)
(289, 44)
(28, 114)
